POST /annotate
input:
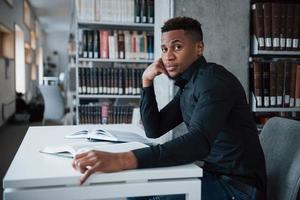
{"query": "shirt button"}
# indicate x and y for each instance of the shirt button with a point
(233, 198)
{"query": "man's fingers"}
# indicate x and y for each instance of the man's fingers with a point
(87, 173)
(82, 164)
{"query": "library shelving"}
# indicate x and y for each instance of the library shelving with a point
(274, 72)
(113, 47)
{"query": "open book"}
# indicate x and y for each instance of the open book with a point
(101, 134)
(70, 150)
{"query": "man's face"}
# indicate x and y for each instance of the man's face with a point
(179, 51)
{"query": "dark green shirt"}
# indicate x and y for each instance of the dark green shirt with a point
(221, 131)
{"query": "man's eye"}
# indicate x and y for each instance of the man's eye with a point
(164, 50)
(177, 47)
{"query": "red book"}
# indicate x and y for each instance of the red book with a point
(104, 46)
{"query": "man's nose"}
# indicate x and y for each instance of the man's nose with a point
(170, 55)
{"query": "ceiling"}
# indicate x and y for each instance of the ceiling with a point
(54, 15)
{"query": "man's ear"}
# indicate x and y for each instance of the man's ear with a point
(200, 48)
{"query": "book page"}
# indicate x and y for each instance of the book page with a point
(71, 150)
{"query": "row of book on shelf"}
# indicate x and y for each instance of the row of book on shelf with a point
(110, 80)
(276, 26)
(275, 84)
(104, 113)
(116, 44)
(129, 11)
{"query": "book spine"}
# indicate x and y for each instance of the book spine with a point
(266, 84)
(276, 26)
(293, 84)
(258, 83)
(280, 82)
(273, 75)
(268, 25)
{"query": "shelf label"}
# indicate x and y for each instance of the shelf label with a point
(273, 101)
(282, 42)
(288, 42)
(261, 42)
(259, 101)
(287, 99)
(295, 43)
(268, 42)
(279, 100)
(292, 102)
(266, 101)
(275, 42)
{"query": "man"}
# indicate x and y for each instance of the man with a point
(212, 104)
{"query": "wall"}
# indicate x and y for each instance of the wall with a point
(225, 26)
(9, 17)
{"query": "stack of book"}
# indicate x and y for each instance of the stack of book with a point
(116, 44)
(108, 80)
(275, 84)
(103, 113)
(129, 11)
(276, 26)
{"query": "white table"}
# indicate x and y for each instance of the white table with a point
(33, 175)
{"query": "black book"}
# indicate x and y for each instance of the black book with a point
(90, 44)
(150, 11)
(100, 80)
(266, 84)
(85, 43)
(137, 11)
(144, 14)
(96, 49)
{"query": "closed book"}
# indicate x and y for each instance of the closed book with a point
(96, 44)
(283, 9)
(257, 80)
(127, 45)
(100, 80)
(286, 85)
(297, 88)
(289, 26)
(150, 11)
(150, 46)
(258, 24)
(90, 44)
(85, 43)
(280, 82)
(268, 25)
(137, 11)
(276, 26)
(296, 28)
(121, 45)
(266, 84)
(293, 84)
(273, 74)
(144, 14)
(104, 46)
(111, 44)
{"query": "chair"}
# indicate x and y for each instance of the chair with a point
(54, 103)
(280, 140)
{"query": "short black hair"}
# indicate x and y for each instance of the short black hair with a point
(189, 25)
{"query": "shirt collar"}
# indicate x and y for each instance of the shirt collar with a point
(184, 78)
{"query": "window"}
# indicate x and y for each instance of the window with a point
(20, 61)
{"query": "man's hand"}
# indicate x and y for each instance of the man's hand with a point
(98, 161)
(152, 71)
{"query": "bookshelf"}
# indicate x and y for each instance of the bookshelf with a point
(274, 70)
(111, 53)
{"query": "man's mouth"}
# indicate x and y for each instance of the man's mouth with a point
(171, 67)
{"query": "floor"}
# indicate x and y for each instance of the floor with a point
(11, 136)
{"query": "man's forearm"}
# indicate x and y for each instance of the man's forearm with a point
(128, 160)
